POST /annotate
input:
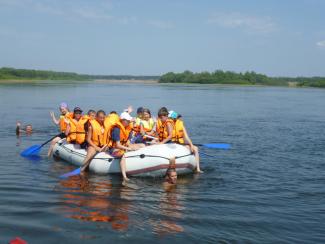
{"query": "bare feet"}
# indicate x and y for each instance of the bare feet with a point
(199, 171)
(125, 181)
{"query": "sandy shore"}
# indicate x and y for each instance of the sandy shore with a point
(128, 81)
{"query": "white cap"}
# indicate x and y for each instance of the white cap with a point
(126, 116)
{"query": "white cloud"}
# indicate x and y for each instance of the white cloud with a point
(91, 14)
(161, 24)
(244, 22)
(321, 44)
(70, 9)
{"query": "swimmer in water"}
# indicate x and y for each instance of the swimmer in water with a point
(171, 175)
(28, 129)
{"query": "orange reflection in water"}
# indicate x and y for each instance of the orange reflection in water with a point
(170, 208)
(93, 198)
(88, 200)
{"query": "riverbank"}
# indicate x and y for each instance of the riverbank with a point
(33, 81)
(127, 81)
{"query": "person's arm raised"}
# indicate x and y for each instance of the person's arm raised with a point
(67, 131)
(18, 128)
(55, 121)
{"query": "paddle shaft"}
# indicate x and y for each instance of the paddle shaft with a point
(215, 145)
(49, 140)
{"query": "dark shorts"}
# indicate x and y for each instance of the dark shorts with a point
(83, 145)
(62, 135)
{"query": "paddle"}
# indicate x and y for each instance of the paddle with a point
(215, 145)
(35, 149)
(207, 145)
(72, 173)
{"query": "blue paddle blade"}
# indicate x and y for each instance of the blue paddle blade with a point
(217, 145)
(72, 173)
(31, 151)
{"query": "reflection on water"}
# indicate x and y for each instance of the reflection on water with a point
(93, 198)
(88, 199)
(171, 209)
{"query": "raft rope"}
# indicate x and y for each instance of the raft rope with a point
(133, 156)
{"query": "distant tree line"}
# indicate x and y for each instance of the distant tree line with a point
(28, 74)
(217, 77)
(247, 78)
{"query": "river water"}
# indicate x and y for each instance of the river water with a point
(268, 188)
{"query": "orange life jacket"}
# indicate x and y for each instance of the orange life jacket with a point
(111, 119)
(99, 135)
(62, 123)
(162, 128)
(137, 125)
(124, 134)
(77, 130)
(178, 132)
(147, 125)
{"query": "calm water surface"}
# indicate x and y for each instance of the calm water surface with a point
(268, 188)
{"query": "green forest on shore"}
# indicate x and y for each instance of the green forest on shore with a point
(29, 74)
(247, 78)
(217, 77)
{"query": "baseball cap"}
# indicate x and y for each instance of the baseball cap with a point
(126, 116)
(77, 109)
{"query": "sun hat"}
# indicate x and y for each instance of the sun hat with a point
(63, 105)
(126, 116)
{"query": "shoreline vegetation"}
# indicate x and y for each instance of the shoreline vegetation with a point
(12, 75)
(28, 75)
(247, 78)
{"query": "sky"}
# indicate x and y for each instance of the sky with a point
(152, 37)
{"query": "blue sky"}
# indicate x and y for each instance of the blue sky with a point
(153, 37)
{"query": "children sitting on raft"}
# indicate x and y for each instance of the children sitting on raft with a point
(98, 132)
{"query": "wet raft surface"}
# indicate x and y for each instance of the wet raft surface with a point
(268, 188)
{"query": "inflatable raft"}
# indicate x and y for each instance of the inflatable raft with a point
(148, 161)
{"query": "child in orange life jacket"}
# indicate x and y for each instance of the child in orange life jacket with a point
(96, 138)
(136, 136)
(144, 127)
(180, 136)
(147, 125)
(164, 126)
(61, 122)
(77, 127)
(91, 114)
(119, 140)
